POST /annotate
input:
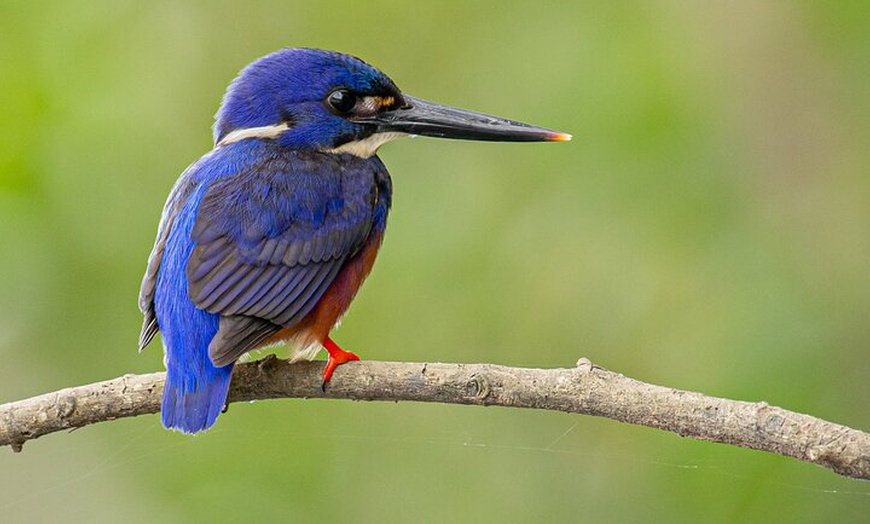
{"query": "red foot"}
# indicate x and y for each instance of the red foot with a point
(337, 357)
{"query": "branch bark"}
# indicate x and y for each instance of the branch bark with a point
(586, 389)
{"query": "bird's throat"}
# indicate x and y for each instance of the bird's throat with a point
(366, 147)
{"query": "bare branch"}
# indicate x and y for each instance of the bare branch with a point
(586, 389)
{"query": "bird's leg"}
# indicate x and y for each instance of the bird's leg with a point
(337, 356)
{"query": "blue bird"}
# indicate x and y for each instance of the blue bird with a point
(268, 236)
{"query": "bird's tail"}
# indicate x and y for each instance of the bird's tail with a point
(194, 395)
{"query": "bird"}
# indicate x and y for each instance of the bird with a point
(268, 236)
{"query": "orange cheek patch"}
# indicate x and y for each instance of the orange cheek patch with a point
(385, 101)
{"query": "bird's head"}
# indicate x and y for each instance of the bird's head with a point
(323, 100)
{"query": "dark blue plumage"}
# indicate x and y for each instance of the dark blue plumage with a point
(290, 86)
(268, 236)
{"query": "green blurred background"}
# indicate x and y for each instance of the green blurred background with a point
(707, 229)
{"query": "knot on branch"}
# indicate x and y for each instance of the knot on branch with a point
(477, 387)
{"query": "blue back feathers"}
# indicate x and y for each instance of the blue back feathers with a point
(194, 393)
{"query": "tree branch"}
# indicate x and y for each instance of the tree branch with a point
(586, 389)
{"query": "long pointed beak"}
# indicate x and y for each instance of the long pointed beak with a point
(421, 117)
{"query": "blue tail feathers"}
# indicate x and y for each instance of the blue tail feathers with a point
(193, 401)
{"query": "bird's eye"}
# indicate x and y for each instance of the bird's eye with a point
(341, 101)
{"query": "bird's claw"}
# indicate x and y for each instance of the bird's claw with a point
(337, 357)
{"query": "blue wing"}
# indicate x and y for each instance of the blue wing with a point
(269, 239)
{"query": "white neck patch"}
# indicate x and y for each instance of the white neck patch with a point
(366, 147)
(254, 132)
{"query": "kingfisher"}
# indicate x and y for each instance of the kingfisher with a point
(267, 238)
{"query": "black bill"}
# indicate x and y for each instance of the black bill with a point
(421, 117)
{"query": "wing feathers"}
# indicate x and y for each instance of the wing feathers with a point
(269, 239)
(236, 336)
